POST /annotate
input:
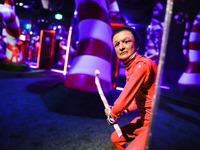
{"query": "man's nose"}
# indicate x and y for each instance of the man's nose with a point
(121, 47)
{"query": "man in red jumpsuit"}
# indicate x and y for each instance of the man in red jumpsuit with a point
(138, 91)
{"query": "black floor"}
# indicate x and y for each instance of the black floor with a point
(28, 123)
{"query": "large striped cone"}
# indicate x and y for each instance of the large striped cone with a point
(12, 25)
(191, 76)
(94, 50)
(179, 19)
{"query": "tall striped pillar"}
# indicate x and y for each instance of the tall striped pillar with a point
(12, 26)
(191, 76)
(94, 50)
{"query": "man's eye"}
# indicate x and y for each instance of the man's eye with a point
(126, 42)
(117, 44)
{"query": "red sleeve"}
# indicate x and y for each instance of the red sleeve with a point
(132, 106)
(136, 79)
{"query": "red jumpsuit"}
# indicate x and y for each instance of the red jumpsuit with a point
(138, 93)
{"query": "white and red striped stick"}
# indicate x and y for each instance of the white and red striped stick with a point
(105, 102)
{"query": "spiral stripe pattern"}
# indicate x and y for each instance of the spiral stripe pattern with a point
(12, 26)
(192, 74)
(95, 47)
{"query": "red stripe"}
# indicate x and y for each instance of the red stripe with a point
(111, 1)
(196, 28)
(84, 82)
(193, 67)
(10, 47)
(9, 2)
(151, 47)
(12, 18)
(94, 47)
(185, 46)
(194, 45)
(187, 29)
(15, 32)
(90, 9)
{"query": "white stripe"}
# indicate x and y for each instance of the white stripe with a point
(97, 29)
(9, 55)
(197, 20)
(190, 79)
(194, 55)
(184, 42)
(114, 6)
(187, 25)
(12, 40)
(186, 33)
(101, 3)
(10, 6)
(185, 51)
(194, 36)
(6, 13)
(87, 64)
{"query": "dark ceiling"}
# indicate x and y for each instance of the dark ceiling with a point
(133, 11)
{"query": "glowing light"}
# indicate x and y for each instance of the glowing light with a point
(54, 28)
(26, 6)
(67, 50)
(119, 88)
(75, 12)
(164, 87)
(116, 24)
(58, 16)
(58, 71)
(20, 4)
(28, 26)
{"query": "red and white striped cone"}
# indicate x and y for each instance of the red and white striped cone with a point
(191, 76)
(94, 49)
(179, 19)
(12, 26)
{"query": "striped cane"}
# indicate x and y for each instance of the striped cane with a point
(12, 26)
(179, 19)
(105, 102)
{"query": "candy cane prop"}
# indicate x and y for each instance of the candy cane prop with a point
(12, 26)
(105, 102)
(179, 19)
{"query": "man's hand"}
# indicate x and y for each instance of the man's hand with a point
(109, 119)
(107, 110)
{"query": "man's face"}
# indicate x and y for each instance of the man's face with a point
(124, 44)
